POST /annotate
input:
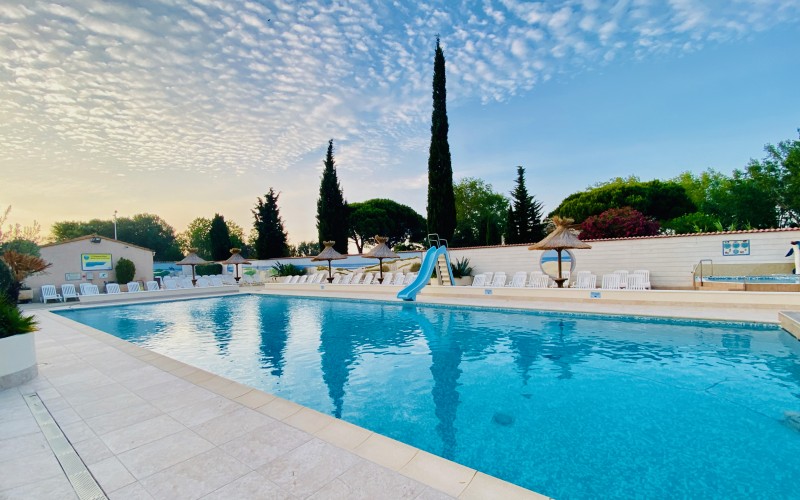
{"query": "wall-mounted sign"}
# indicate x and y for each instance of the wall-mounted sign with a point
(735, 247)
(72, 276)
(96, 262)
(102, 276)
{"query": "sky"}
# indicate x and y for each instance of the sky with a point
(187, 108)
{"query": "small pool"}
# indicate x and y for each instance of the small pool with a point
(568, 405)
(768, 279)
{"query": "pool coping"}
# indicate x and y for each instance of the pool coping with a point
(443, 475)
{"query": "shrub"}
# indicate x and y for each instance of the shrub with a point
(414, 267)
(622, 222)
(287, 270)
(21, 265)
(126, 270)
(461, 268)
(208, 269)
(6, 280)
(21, 245)
(12, 321)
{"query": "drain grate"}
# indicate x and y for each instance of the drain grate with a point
(79, 476)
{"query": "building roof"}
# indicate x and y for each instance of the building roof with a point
(90, 236)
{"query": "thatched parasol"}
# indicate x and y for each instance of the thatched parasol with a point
(560, 239)
(329, 254)
(380, 252)
(236, 259)
(192, 260)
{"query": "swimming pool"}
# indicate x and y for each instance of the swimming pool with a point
(569, 405)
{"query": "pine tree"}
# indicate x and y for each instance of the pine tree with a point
(219, 238)
(271, 238)
(524, 222)
(441, 200)
(331, 207)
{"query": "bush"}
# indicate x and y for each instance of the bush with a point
(126, 270)
(12, 321)
(414, 267)
(208, 269)
(461, 268)
(287, 270)
(6, 280)
(22, 246)
(622, 222)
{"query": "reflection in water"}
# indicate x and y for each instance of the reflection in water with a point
(274, 335)
(338, 341)
(222, 317)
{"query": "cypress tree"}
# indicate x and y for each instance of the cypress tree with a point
(331, 207)
(441, 200)
(219, 238)
(524, 222)
(271, 238)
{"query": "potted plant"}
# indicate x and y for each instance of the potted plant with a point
(462, 272)
(17, 349)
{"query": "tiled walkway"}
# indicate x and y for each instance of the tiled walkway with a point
(147, 427)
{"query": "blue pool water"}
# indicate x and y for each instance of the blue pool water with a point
(572, 406)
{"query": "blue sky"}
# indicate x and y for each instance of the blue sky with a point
(186, 108)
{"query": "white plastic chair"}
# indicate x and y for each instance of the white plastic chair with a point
(610, 282)
(409, 278)
(398, 279)
(646, 277)
(479, 280)
(203, 282)
(89, 289)
(303, 279)
(585, 281)
(336, 279)
(112, 289)
(346, 279)
(519, 279)
(357, 278)
(68, 292)
(636, 282)
(368, 279)
(216, 280)
(623, 278)
(152, 286)
(133, 286)
(499, 280)
(387, 278)
(541, 281)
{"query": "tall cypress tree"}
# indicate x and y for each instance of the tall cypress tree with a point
(271, 238)
(331, 207)
(524, 222)
(219, 238)
(441, 200)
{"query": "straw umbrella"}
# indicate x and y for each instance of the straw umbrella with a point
(380, 252)
(329, 254)
(560, 239)
(236, 259)
(192, 260)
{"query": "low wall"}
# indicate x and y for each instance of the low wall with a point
(159, 295)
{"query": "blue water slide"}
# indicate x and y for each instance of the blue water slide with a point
(426, 269)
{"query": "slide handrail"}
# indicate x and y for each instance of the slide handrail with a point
(426, 269)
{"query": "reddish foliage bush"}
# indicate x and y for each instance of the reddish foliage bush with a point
(618, 223)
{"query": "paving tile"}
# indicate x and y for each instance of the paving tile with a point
(108, 405)
(335, 490)
(386, 451)
(164, 453)
(130, 437)
(190, 395)
(15, 427)
(367, 480)
(162, 389)
(279, 408)
(309, 467)
(110, 474)
(485, 486)
(264, 444)
(92, 450)
(434, 494)
(219, 430)
(203, 411)
(55, 487)
(254, 398)
(123, 417)
(78, 431)
(29, 470)
(20, 446)
(442, 474)
(195, 477)
(253, 486)
(343, 434)
(309, 420)
(134, 491)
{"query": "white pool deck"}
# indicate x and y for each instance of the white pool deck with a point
(148, 426)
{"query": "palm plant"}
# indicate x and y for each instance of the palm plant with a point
(461, 268)
(12, 321)
(287, 270)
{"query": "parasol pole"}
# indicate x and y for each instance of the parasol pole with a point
(330, 273)
(380, 268)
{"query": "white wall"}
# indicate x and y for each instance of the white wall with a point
(670, 259)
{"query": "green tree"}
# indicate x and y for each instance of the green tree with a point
(269, 236)
(399, 223)
(524, 219)
(480, 213)
(304, 249)
(145, 230)
(657, 199)
(196, 236)
(331, 206)
(777, 175)
(125, 270)
(219, 238)
(441, 199)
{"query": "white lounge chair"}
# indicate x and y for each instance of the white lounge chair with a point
(216, 280)
(541, 281)
(489, 277)
(518, 280)
(49, 293)
(89, 289)
(499, 280)
(303, 279)
(336, 279)
(357, 278)
(610, 282)
(409, 278)
(646, 275)
(387, 278)
(636, 282)
(202, 282)
(585, 281)
(68, 292)
(623, 278)
(152, 286)
(187, 282)
(398, 279)
(171, 284)
(479, 280)
(112, 289)
(346, 279)
(368, 279)
(133, 286)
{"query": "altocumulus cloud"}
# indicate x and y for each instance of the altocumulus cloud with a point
(213, 85)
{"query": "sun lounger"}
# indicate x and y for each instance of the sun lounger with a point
(336, 279)
(346, 279)
(409, 278)
(479, 280)
(303, 279)
(152, 286)
(49, 293)
(68, 292)
(645, 276)
(112, 289)
(518, 280)
(186, 283)
(623, 278)
(387, 278)
(585, 281)
(203, 282)
(398, 279)
(610, 282)
(368, 279)
(357, 278)
(636, 282)
(89, 289)
(216, 280)
(499, 280)
(540, 281)
(133, 286)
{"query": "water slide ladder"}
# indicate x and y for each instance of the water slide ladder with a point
(436, 259)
